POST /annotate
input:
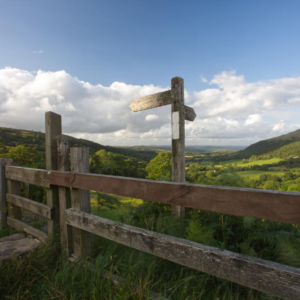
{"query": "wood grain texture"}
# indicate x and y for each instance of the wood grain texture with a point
(81, 201)
(256, 203)
(189, 113)
(262, 275)
(53, 129)
(178, 143)
(15, 246)
(33, 206)
(27, 175)
(21, 226)
(66, 231)
(270, 205)
(3, 205)
(13, 187)
(151, 101)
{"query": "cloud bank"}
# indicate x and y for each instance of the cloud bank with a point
(230, 111)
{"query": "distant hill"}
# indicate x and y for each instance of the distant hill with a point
(188, 148)
(282, 146)
(13, 137)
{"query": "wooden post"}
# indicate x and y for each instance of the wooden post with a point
(66, 232)
(180, 113)
(81, 201)
(178, 137)
(3, 206)
(14, 187)
(52, 130)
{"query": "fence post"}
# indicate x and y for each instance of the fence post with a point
(52, 130)
(66, 232)
(81, 201)
(14, 187)
(178, 137)
(3, 206)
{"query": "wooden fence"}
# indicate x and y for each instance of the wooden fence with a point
(77, 224)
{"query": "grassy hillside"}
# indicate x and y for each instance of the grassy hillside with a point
(13, 137)
(281, 146)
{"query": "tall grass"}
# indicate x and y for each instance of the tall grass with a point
(40, 275)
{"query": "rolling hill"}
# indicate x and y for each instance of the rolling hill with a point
(282, 146)
(13, 137)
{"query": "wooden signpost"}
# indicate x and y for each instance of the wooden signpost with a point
(180, 113)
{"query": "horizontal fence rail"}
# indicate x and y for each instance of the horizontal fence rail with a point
(33, 206)
(21, 226)
(262, 275)
(263, 204)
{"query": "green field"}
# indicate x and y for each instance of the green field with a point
(125, 209)
(255, 174)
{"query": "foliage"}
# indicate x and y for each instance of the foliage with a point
(103, 162)
(107, 200)
(160, 167)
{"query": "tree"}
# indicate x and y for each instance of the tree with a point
(107, 200)
(271, 185)
(160, 167)
(26, 156)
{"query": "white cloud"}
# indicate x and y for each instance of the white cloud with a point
(253, 119)
(151, 117)
(231, 111)
(38, 52)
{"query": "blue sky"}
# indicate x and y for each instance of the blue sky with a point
(148, 42)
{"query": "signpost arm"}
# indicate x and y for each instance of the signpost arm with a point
(178, 137)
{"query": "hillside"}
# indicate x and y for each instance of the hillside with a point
(281, 146)
(13, 137)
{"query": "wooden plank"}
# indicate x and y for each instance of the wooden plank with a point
(33, 206)
(14, 187)
(3, 206)
(15, 246)
(151, 101)
(270, 205)
(52, 130)
(262, 275)
(66, 231)
(81, 201)
(178, 137)
(189, 113)
(21, 226)
(27, 175)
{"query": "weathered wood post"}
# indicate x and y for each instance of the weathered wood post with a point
(180, 113)
(3, 205)
(66, 232)
(178, 137)
(52, 130)
(14, 187)
(81, 201)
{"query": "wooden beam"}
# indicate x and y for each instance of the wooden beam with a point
(14, 187)
(189, 113)
(178, 137)
(256, 203)
(81, 201)
(33, 206)
(66, 231)
(21, 226)
(151, 101)
(3, 206)
(262, 275)
(27, 175)
(52, 130)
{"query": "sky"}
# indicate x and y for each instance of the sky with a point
(87, 60)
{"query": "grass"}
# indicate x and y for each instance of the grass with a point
(40, 275)
(255, 173)
(124, 210)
